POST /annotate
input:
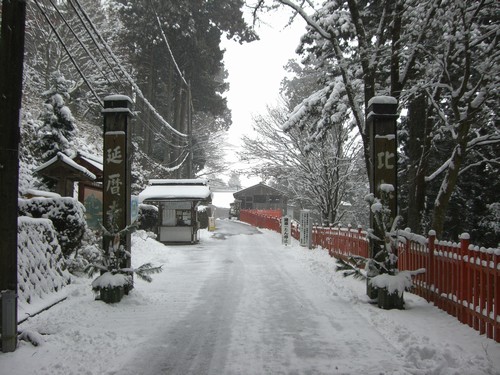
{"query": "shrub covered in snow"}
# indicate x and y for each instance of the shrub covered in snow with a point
(41, 266)
(66, 214)
(148, 217)
(203, 213)
(88, 253)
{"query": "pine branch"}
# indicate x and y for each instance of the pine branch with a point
(351, 267)
(147, 269)
(93, 268)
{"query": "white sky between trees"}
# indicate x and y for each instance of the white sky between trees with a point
(256, 70)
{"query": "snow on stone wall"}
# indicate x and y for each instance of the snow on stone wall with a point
(66, 214)
(41, 268)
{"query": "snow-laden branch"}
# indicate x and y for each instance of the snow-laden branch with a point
(484, 160)
(424, 30)
(485, 140)
(440, 170)
(325, 34)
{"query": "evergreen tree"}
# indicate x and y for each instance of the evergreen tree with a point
(172, 44)
(58, 129)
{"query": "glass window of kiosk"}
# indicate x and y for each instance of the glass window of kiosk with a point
(183, 217)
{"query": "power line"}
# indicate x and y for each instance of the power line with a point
(99, 48)
(167, 44)
(80, 42)
(129, 78)
(156, 124)
(69, 54)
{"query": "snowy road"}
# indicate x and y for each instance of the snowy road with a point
(239, 302)
(258, 310)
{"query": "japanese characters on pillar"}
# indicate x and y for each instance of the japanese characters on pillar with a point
(381, 124)
(117, 177)
(286, 230)
(305, 228)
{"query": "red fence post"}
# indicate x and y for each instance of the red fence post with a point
(490, 283)
(482, 290)
(464, 246)
(496, 270)
(430, 268)
(468, 283)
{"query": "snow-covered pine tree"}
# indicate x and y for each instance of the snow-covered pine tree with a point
(58, 128)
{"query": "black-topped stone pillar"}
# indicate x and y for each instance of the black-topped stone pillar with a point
(381, 125)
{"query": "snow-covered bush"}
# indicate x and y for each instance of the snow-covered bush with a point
(41, 266)
(203, 213)
(148, 217)
(88, 253)
(66, 214)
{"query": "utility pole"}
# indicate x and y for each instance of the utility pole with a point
(11, 73)
(190, 173)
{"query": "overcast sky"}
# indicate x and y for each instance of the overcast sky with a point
(255, 72)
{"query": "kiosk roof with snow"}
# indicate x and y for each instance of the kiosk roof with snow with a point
(178, 190)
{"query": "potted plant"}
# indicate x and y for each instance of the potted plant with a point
(115, 280)
(385, 283)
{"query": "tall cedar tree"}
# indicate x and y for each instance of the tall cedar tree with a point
(193, 30)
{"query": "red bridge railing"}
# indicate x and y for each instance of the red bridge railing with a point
(460, 278)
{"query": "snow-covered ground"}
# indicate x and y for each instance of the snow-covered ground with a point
(239, 302)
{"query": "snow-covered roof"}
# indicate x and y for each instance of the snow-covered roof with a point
(96, 161)
(166, 182)
(261, 185)
(68, 161)
(382, 99)
(154, 193)
(118, 98)
(41, 193)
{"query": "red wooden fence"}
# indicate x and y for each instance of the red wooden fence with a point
(269, 219)
(461, 279)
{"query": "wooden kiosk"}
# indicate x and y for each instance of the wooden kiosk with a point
(177, 202)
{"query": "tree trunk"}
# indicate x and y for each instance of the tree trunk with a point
(417, 120)
(450, 179)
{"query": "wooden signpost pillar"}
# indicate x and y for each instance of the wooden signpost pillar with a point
(381, 125)
(117, 177)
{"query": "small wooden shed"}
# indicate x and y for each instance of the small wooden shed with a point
(65, 171)
(82, 168)
(261, 197)
(177, 202)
